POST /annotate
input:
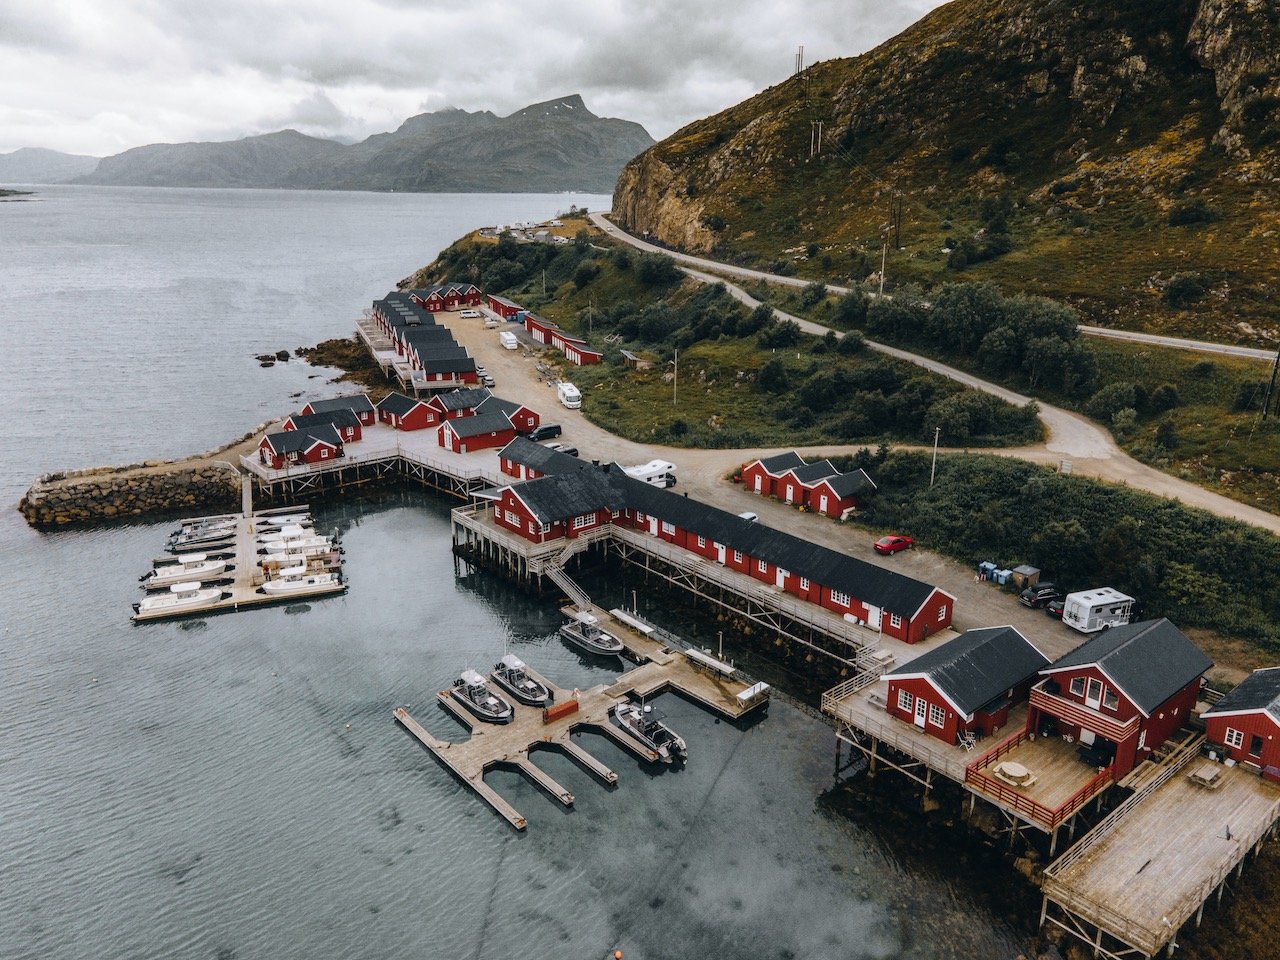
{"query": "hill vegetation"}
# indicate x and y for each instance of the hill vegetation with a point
(1121, 157)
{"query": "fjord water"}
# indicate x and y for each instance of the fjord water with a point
(235, 787)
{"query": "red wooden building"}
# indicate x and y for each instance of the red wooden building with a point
(526, 460)
(965, 688)
(406, 413)
(296, 447)
(794, 485)
(562, 505)
(458, 403)
(447, 296)
(578, 353)
(1122, 693)
(344, 420)
(761, 476)
(524, 419)
(539, 329)
(479, 432)
(1245, 724)
(832, 496)
(357, 403)
(503, 307)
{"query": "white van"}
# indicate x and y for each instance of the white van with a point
(568, 394)
(508, 339)
(1092, 610)
(659, 473)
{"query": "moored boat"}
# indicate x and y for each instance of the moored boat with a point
(298, 545)
(294, 531)
(291, 520)
(298, 580)
(472, 692)
(644, 724)
(180, 598)
(189, 566)
(512, 675)
(203, 537)
(583, 632)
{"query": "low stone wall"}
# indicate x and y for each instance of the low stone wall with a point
(112, 493)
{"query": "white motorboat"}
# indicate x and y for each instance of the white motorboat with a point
(512, 675)
(299, 545)
(180, 598)
(644, 724)
(472, 692)
(202, 536)
(298, 580)
(297, 519)
(189, 566)
(584, 633)
(293, 531)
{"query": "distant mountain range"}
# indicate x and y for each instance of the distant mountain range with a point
(546, 147)
(35, 165)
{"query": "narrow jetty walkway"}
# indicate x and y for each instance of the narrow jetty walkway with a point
(508, 746)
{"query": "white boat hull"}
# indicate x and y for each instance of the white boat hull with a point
(312, 581)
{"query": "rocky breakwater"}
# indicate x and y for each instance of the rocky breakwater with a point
(205, 483)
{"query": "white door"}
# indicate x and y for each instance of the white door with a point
(720, 553)
(782, 578)
(791, 493)
(822, 503)
(921, 706)
(1086, 737)
(653, 526)
(1093, 697)
(873, 617)
(759, 483)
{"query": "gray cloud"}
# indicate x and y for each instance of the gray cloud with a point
(82, 76)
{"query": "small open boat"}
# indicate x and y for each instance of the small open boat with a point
(188, 567)
(295, 519)
(180, 598)
(585, 634)
(293, 531)
(298, 545)
(472, 692)
(298, 580)
(198, 537)
(511, 674)
(645, 725)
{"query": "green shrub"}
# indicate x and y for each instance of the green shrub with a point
(1188, 212)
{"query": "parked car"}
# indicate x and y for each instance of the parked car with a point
(470, 314)
(563, 448)
(892, 544)
(490, 323)
(1054, 608)
(488, 380)
(547, 431)
(1039, 595)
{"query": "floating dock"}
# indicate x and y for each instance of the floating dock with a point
(498, 746)
(242, 581)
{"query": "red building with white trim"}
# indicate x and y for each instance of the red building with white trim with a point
(1245, 724)
(290, 448)
(406, 413)
(344, 420)
(482, 431)
(357, 403)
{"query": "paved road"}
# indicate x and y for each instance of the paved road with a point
(701, 263)
(1088, 447)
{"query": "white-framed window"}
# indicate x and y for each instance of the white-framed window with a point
(895, 620)
(497, 511)
(533, 527)
(513, 519)
(737, 556)
(324, 453)
(905, 700)
(942, 613)
(761, 566)
(804, 583)
(583, 521)
(937, 716)
(1077, 686)
(839, 599)
(1111, 700)
(668, 527)
(639, 517)
(702, 541)
(1234, 738)
(613, 514)
(546, 528)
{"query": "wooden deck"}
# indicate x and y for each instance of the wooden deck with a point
(241, 583)
(493, 746)
(1151, 865)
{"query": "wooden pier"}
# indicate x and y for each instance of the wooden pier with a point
(499, 746)
(241, 583)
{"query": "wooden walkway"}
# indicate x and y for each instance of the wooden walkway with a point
(498, 746)
(245, 574)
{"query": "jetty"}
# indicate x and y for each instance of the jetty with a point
(694, 675)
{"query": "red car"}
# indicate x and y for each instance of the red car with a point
(892, 544)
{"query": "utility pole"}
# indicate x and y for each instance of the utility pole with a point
(675, 375)
(721, 645)
(815, 138)
(933, 470)
(884, 256)
(1266, 400)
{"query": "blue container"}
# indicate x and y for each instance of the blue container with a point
(985, 569)
(1002, 576)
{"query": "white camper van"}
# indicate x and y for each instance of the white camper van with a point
(660, 473)
(1092, 610)
(508, 339)
(569, 395)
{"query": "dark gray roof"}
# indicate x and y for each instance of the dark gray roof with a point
(813, 472)
(288, 441)
(479, 424)
(443, 350)
(464, 399)
(978, 666)
(1150, 661)
(343, 417)
(497, 403)
(559, 496)
(782, 462)
(524, 451)
(847, 484)
(425, 334)
(1258, 691)
(356, 401)
(504, 301)
(398, 404)
(448, 365)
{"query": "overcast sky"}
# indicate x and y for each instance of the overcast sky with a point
(99, 76)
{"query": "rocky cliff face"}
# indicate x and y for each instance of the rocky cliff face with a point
(1239, 40)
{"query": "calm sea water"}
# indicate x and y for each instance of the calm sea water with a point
(236, 787)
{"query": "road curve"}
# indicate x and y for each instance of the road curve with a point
(701, 263)
(1088, 447)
